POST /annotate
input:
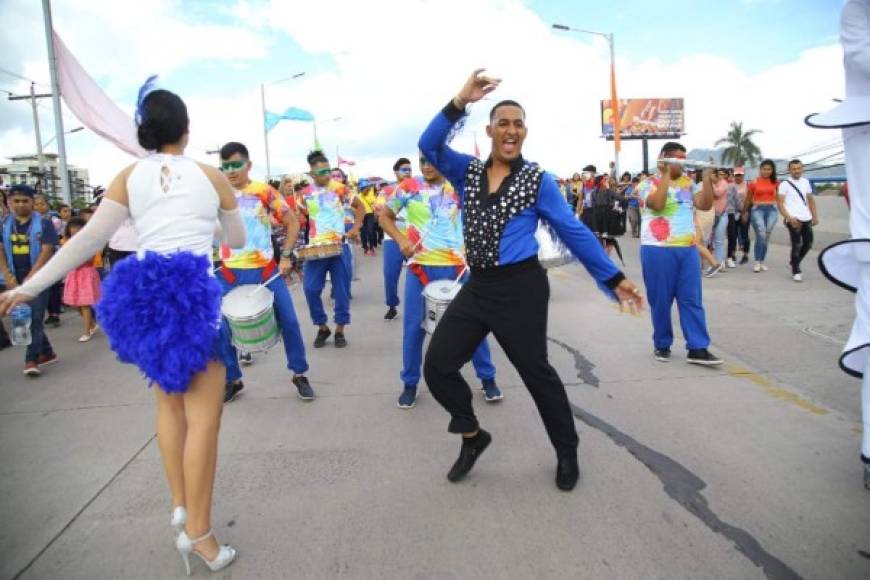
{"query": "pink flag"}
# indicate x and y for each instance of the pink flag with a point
(91, 105)
(343, 161)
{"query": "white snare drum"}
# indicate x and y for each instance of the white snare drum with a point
(320, 251)
(248, 309)
(438, 296)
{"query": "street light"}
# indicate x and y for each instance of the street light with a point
(613, 98)
(76, 130)
(265, 129)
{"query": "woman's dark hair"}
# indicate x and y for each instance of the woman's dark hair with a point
(625, 176)
(772, 165)
(163, 120)
(74, 222)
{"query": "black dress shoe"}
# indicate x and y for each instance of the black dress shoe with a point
(567, 473)
(469, 453)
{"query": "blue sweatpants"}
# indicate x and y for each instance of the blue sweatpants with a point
(314, 280)
(675, 274)
(285, 315)
(413, 333)
(347, 258)
(393, 260)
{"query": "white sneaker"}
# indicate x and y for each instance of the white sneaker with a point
(798, 277)
(731, 263)
(757, 267)
(763, 267)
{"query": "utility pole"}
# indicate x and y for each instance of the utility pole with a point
(33, 103)
(55, 94)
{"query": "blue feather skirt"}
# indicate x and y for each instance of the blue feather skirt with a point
(162, 314)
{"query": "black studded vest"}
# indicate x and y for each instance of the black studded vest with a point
(484, 219)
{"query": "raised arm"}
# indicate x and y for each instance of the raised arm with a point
(433, 142)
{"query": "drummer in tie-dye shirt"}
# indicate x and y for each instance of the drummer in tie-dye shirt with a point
(324, 200)
(434, 244)
(256, 263)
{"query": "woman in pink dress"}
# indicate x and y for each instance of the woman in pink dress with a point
(82, 286)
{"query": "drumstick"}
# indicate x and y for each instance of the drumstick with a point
(266, 283)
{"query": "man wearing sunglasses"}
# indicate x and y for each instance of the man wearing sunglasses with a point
(393, 258)
(256, 262)
(325, 202)
(503, 200)
(432, 239)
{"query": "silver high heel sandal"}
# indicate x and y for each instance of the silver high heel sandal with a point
(226, 554)
(179, 519)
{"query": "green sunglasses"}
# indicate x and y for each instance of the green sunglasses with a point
(323, 171)
(230, 166)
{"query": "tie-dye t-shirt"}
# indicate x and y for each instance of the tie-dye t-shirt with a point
(674, 226)
(384, 200)
(433, 215)
(259, 204)
(326, 212)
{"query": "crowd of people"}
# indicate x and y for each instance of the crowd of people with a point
(612, 209)
(465, 221)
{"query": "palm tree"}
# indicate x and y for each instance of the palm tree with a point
(740, 149)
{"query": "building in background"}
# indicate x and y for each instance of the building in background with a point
(25, 169)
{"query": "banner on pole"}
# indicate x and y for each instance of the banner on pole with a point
(91, 105)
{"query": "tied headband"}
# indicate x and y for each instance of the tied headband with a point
(145, 90)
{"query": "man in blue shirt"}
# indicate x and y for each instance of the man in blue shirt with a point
(28, 242)
(508, 292)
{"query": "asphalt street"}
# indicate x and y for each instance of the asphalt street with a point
(746, 471)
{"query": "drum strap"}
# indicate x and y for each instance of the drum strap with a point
(421, 275)
(269, 270)
(231, 278)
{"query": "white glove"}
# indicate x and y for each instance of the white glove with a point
(78, 249)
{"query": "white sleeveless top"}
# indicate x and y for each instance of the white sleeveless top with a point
(173, 205)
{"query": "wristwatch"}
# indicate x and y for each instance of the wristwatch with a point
(288, 253)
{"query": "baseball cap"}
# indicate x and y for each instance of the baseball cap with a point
(22, 189)
(739, 171)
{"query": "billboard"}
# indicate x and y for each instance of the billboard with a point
(639, 118)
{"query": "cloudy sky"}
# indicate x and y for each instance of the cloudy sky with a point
(386, 66)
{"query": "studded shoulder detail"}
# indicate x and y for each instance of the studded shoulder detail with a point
(483, 223)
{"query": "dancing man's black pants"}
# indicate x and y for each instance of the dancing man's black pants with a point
(510, 302)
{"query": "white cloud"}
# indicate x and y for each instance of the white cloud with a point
(398, 61)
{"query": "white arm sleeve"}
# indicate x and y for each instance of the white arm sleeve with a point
(233, 228)
(80, 248)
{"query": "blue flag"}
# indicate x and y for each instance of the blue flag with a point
(291, 114)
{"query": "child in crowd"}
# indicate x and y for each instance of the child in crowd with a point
(82, 286)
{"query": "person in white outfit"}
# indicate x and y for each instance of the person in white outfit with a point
(161, 309)
(847, 264)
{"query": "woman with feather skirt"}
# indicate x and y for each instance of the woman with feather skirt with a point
(161, 311)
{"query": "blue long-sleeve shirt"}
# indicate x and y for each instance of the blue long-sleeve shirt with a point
(518, 241)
